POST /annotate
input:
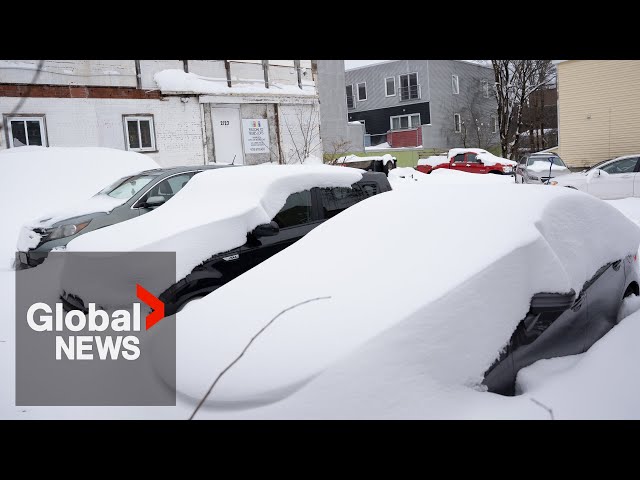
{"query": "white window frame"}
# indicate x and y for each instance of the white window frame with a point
(26, 118)
(152, 128)
(417, 85)
(485, 88)
(358, 91)
(494, 124)
(459, 124)
(386, 94)
(455, 84)
(409, 115)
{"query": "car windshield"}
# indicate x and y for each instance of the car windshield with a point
(540, 158)
(598, 165)
(127, 187)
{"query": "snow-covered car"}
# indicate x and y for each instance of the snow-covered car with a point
(471, 160)
(324, 342)
(370, 163)
(540, 168)
(124, 199)
(222, 224)
(611, 179)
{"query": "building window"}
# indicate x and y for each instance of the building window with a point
(390, 87)
(409, 88)
(350, 100)
(25, 130)
(362, 91)
(402, 122)
(455, 84)
(456, 123)
(485, 89)
(494, 124)
(140, 134)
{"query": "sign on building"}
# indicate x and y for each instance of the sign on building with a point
(256, 135)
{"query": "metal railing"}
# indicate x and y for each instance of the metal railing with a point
(411, 92)
(351, 101)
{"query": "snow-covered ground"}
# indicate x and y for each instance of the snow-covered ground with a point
(601, 383)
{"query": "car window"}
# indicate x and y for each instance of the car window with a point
(335, 200)
(128, 188)
(459, 158)
(471, 158)
(626, 165)
(167, 188)
(296, 210)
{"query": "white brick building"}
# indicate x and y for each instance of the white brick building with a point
(198, 112)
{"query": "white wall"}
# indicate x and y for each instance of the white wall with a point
(293, 121)
(70, 72)
(84, 122)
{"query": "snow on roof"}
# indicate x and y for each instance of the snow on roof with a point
(354, 158)
(350, 351)
(54, 178)
(213, 212)
(179, 82)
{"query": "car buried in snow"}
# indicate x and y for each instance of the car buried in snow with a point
(127, 198)
(471, 160)
(540, 168)
(251, 214)
(370, 163)
(325, 341)
(612, 179)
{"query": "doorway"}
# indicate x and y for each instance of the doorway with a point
(227, 135)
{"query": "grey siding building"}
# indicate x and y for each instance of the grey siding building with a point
(438, 104)
(338, 137)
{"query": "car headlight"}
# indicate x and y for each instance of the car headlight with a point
(533, 177)
(67, 230)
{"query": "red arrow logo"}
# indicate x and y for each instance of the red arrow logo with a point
(156, 305)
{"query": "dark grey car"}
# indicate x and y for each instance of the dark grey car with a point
(139, 194)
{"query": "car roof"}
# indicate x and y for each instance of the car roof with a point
(182, 168)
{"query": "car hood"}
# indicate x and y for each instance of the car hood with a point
(577, 178)
(97, 204)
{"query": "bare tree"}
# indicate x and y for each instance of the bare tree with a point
(304, 133)
(515, 81)
(339, 147)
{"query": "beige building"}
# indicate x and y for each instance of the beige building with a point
(598, 110)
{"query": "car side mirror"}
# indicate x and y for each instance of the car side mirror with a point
(266, 230)
(596, 173)
(155, 201)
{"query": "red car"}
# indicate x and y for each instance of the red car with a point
(472, 160)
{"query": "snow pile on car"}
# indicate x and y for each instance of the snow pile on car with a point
(433, 161)
(491, 159)
(213, 212)
(354, 158)
(543, 166)
(41, 179)
(374, 332)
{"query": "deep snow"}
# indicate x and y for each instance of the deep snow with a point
(43, 179)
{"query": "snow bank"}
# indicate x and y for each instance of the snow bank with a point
(354, 158)
(352, 352)
(213, 212)
(41, 179)
(177, 81)
(433, 160)
(543, 166)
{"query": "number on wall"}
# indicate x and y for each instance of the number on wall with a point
(224, 122)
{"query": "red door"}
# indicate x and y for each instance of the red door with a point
(473, 165)
(458, 163)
